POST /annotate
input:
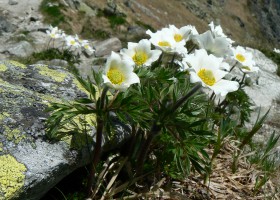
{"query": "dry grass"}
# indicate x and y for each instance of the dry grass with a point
(222, 184)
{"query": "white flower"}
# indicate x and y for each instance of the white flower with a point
(140, 53)
(207, 70)
(241, 55)
(118, 73)
(217, 31)
(54, 32)
(276, 50)
(245, 60)
(218, 46)
(164, 40)
(71, 41)
(86, 46)
(184, 33)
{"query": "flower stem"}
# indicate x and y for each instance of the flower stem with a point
(155, 130)
(184, 98)
(98, 142)
(242, 80)
(192, 49)
(96, 155)
(233, 66)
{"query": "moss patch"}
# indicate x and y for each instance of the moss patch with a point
(54, 74)
(11, 176)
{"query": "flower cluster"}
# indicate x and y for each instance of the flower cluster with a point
(72, 42)
(206, 64)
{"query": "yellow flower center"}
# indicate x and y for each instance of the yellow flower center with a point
(86, 46)
(115, 76)
(140, 58)
(207, 76)
(178, 37)
(164, 44)
(240, 57)
(52, 35)
(72, 42)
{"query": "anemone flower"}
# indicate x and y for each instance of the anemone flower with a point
(164, 40)
(217, 31)
(218, 46)
(71, 41)
(206, 69)
(242, 56)
(86, 46)
(54, 32)
(140, 53)
(118, 73)
(184, 33)
(245, 59)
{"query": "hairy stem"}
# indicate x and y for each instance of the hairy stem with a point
(184, 98)
(155, 130)
(96, 156)
(98, 142)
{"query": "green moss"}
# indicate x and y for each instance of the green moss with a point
(3, 67)
(11, 176)
(116, 20)
(54, 74)
(51, 9)
(275, 57)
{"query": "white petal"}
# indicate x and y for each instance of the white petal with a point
(154, 55)
(223, 87)
(133, 78)
(195, 78)
(131, 45)
(144, 45)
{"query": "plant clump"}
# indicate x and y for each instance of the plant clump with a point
(177, 131)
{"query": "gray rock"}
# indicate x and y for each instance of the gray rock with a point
(6, 26)
(13, 2)
(104, 48)
(87, 9)
(21, 49)
(31, 163)
(74, 4)
(265, 95)
(268, 16)
(136, 30)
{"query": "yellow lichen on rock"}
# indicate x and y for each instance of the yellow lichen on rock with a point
(3, 68)
(17, 64)
(11, 176)
(54, 74)
(13, 135)
(3, 115)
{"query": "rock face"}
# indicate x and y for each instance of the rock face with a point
(266, 95)
(268, 15)
(25, 92)
(31, 164)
